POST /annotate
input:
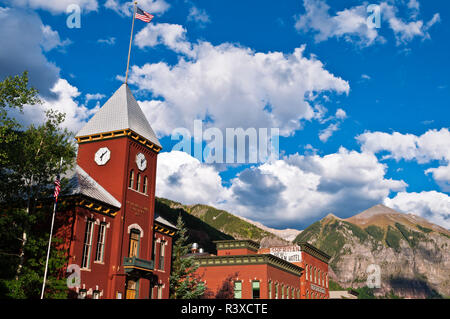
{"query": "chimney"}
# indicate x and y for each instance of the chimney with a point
(194, 248)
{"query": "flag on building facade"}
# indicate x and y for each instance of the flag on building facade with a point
(143, 16)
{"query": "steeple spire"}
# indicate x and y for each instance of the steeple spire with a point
(120, 112)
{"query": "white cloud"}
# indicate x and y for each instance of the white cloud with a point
(296, 190)
(51, 39)
(300, 189)
(325, 134)
(341, 114)
(351, 23)
(96, 96)
(432, 205)
(171, 35)
(433, 145)
(441, 175)
(183, 178)
(57, 6)
(76, 114)
(199, 16)
(108, 41)
(126, 9)
(231, 85)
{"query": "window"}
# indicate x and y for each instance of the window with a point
(307, 294)
(82, 294)
(135, 236)
(96, 294)
(282, 291)
(161, 255)
(160, 288)
(86, 257)
(154, 252)
(270, 290)
(326, 280)
(288, 291)
(99, 253)
(132, 289)
(306, 272)
(237, 290)
(131, 179)
(310, 273)
(144, 190)
(138, 184)
(255, 289)
(276, 291)
(319, 278)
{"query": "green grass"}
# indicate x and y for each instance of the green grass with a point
(376, 232)
(393, 237)
(424, 229)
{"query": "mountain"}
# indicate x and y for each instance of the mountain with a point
(413, 254)
(207, 224)
(287, 234)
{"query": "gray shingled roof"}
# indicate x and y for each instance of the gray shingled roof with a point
(120, 112)
(83, 184)
(163, 221)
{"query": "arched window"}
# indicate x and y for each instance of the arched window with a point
(144, 189)
(135, 236)
(131, 179)
(138, 184)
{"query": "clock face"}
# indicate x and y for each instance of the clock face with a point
(102, 156)
(141, 161)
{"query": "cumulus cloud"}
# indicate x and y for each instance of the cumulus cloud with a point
(65, 101)
(24, 39)
(56, 6)
(126, 9)
(183, 178)
(294, 191)
(230, 85)
(199, 16)
(433, 145)
(432, 205)
(351, 23)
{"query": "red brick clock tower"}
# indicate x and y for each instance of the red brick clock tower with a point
(114, 228)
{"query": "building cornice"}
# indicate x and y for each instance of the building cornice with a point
(242, 260)
(116, 134)
(313, 251)
(236, 244)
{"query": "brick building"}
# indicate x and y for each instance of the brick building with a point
(107, 221)
(290, 272)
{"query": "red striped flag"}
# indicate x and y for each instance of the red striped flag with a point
(143, 16)
(57, 189)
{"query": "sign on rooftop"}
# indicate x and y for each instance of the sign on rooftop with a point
(288, 253)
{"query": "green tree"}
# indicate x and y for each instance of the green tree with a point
(184, 283)
(29, 163)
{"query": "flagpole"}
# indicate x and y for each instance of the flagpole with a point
(131, 40)
(49, 242)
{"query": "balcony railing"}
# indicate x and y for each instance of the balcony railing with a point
(134, 264)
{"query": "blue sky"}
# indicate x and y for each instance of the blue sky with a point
(363, 112)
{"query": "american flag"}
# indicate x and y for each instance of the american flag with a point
(143, 16)
(57, 188)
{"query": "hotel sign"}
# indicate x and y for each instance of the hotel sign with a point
(288, 253)
(318, 289)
